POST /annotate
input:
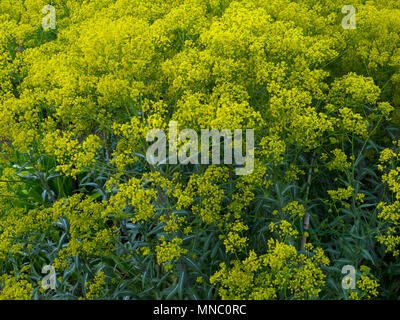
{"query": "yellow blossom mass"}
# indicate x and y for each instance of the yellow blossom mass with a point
(80, 99)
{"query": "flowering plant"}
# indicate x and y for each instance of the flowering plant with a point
(79, 97)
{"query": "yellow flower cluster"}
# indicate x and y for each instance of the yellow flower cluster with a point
(167, 251)
(12, 289)
(234, 241)
(366, 286)
(389, 212)
(94, 287)
(281, 272)
(341, 194)
(295, 209)
(71, 154)
(339, 162)
(15, 286)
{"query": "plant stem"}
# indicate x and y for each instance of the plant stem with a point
(307, 215)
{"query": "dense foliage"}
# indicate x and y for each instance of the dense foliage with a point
(76, 190)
